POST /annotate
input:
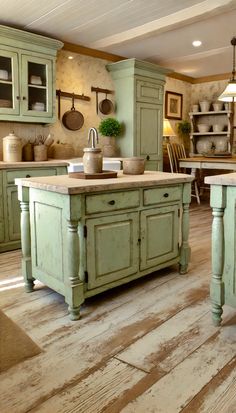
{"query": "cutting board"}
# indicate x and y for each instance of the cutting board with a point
(101, 175)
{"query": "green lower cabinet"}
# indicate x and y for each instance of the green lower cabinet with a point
(159, 236)
(13, 214)
(10, 232)
(112, 248)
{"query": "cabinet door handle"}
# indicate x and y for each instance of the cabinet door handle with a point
(112, 202)
(27, 176)
(24, 98)
(147, 157)
(17, 97)
(166, 195)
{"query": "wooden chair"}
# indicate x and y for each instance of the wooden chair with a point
(175, 152)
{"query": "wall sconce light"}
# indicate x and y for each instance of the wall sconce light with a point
(229, 93)
(167, 130)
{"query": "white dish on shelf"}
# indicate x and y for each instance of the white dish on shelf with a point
(35, 80)
(203, 128)
(217, 127)
(38, 106)
(3, 74)
(217, 106)
(204, 105)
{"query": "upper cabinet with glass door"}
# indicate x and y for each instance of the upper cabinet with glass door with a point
(27, 76)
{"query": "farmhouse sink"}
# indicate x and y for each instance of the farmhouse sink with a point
(109, 164)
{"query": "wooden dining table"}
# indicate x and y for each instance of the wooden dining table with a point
(214, 162)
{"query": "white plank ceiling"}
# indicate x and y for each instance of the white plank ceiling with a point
(160, 31)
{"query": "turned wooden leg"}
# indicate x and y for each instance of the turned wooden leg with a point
(217, 286)
(74, 290)
(185, 250)
(25, 239)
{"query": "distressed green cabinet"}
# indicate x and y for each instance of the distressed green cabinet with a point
(106, 235)
(139, 104)
(86, 240)
(27, 82)
(9, 204)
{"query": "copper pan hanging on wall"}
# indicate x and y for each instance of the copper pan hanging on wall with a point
(73, 119)
(106, 106)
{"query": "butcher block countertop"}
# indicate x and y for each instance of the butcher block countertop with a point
(224, 179)
(34, 164)
(65, 185)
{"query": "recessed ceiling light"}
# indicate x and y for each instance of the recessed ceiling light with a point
(70, 57)
(196, 43)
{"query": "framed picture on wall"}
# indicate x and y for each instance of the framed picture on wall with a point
(173, 105)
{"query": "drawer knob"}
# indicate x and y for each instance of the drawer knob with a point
(147, 157)
(112, 202)
(27, 176)
(166, 195)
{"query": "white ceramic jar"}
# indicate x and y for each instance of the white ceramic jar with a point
(12, 148)
(204, 105)
(221, 144)
(218, 106)
(92, 160)
(204, 145)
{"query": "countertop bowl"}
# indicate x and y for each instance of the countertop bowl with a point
(133, 166)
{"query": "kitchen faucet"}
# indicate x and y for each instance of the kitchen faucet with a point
(94, 133)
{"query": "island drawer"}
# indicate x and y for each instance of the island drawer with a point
(161, 195)
(28, 173)
(111, 202)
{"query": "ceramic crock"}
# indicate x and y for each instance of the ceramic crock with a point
(92, 160)
(12, 148)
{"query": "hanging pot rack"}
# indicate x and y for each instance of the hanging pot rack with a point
(60, 93)
(100, 90)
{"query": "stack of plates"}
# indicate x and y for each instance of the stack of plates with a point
(4, 103)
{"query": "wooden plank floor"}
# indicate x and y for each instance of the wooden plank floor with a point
(146, 347)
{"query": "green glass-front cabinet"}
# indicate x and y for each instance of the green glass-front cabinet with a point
(139, 90)
(27, 76)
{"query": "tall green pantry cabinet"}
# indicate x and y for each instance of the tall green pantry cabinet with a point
(139, 88)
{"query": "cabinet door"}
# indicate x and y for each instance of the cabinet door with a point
(13, 214)
(149, 131)
(112, 248)
(149, 91)
(9, 83)
(37, 86)
(159, 236)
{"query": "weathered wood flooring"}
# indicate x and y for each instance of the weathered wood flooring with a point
(146, 347)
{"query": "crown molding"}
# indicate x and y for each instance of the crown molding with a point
(75, 48)
(212, 78)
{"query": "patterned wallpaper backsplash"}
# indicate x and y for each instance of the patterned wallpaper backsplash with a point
(78, 75)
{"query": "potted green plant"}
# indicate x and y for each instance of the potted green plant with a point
(110, 128)
(184, 129)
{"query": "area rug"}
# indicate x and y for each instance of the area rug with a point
(15, 344)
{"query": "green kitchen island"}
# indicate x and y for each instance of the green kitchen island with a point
(81, 237)
(223, 281)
